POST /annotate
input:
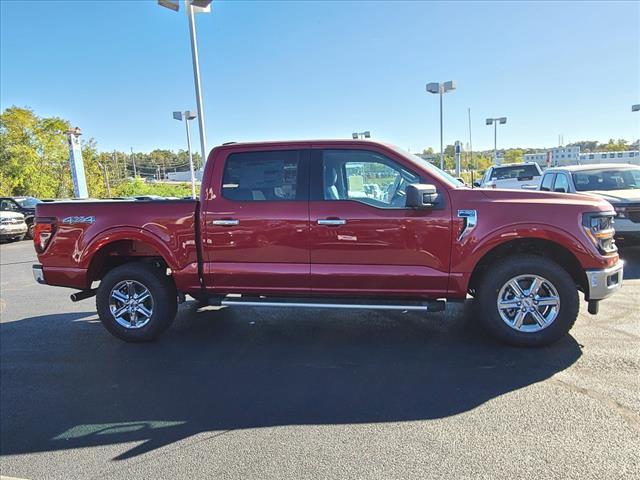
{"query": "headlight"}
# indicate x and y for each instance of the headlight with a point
(599, 229)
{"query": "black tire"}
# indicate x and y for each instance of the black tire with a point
(30, 227)
(508, 268)
(163, 293)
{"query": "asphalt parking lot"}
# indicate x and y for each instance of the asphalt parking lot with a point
(290, 394)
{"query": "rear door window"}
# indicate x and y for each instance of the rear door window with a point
(265, 176)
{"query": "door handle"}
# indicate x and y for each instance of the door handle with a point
(226, 223)
(332, 222)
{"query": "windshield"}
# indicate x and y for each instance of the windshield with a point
(442, 175)
(28, 202)
(607, 179)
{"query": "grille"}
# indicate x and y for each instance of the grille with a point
(10, 221)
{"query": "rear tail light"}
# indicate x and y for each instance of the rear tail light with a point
(43, 232)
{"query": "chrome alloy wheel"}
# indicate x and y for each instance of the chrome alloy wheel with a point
(131, 304)
(528, 303)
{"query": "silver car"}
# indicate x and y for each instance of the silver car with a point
(619, 184)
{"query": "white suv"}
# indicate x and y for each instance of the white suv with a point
(619, 184)
(511, 175)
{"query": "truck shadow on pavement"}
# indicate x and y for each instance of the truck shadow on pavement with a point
(66, 383)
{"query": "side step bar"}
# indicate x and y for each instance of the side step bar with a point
(350, 304)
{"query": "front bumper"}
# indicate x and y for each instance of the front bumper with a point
(38, 274)
(13, 231)
(604, 283)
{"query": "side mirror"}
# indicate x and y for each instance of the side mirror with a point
(461, 180)
(477, 184)
(421, 196)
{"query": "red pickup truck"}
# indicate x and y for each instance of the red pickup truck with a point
(334, 224)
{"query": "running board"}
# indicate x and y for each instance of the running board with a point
(351, 304)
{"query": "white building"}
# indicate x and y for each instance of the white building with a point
(629, 156)
(555, 156)
(561, 156)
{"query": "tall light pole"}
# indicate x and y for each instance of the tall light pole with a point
(441, 88)
(188, 116)
(494, 122)
(192, 7)
(357, 135)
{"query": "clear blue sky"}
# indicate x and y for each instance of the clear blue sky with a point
(326, 69)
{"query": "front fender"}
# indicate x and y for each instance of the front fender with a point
(476, 246)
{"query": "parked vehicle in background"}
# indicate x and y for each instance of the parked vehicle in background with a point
(24, 205)
(511, 175)
(12, 226)
(619, 184)
(296, 224)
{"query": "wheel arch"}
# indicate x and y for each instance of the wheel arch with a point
(112, 249)
(532, 246)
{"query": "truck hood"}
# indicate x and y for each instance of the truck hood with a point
(11, 215)
(617, 196)
(533, 197)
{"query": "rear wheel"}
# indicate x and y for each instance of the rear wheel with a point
(136, 302)
(29, 234)
(528, 300)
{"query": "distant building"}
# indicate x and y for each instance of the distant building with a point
(557, 156)
(561, 156)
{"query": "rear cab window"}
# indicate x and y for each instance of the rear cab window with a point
(265, 176)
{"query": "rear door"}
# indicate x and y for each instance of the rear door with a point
(256, 222)
(364, 241)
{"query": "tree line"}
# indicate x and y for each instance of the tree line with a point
(34, 160)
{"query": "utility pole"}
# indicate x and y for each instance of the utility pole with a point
(471, 166)
(106, 178)
(133, 159)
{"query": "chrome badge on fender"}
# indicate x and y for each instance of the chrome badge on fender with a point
(78, 219)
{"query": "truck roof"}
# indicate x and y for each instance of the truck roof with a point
(591, 166)
(323, 141)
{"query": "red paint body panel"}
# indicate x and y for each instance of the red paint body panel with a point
(278, 247)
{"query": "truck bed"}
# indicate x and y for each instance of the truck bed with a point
(166, 228)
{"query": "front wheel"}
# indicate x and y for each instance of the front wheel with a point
(528, 300)
(136, 302)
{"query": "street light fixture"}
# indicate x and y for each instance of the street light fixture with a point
(193, 7)
(441, 88)
(635, 108)
(495, 122)
(188, 115)
(357, 135)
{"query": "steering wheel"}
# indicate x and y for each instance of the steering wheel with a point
(398, 195)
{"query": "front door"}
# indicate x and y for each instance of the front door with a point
(256, 223)
(364, 241)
